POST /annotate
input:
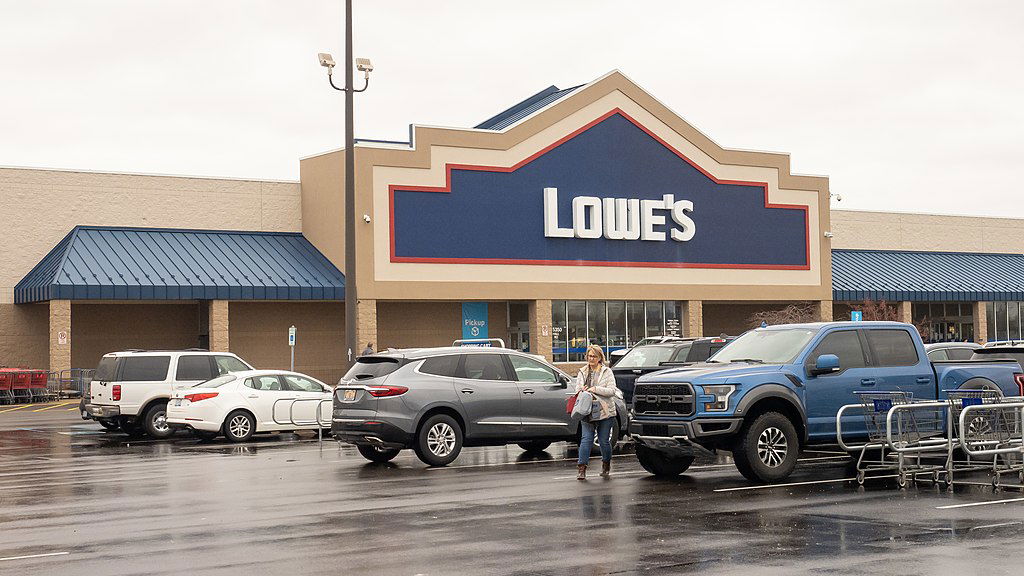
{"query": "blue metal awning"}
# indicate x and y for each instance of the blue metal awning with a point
(926, 276)
(115, 263)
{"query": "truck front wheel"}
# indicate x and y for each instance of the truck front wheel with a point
(767, 448)
(661, 464)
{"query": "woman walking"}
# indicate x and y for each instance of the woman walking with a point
(597, 379)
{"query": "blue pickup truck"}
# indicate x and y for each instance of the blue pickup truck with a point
(775, 390)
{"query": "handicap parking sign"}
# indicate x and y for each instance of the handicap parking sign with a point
(856, 316)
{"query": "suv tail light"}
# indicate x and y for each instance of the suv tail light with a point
(1019, 379)
(115, 392)
(384, 391)
(198, 397)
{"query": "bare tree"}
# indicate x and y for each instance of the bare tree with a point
(878, 310)
(796, 313)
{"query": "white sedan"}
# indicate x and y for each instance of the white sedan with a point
(244, 403)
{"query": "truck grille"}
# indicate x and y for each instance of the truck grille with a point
(663, 399)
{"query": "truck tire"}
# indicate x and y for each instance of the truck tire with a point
(155, 422)
(767, 448)
(661, 464)
(439, 440)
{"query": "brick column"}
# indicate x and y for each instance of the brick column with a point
(980, 311)
(60, 335)
(905, 311)
(825, 310)
(693, 318)
(366, 326)
(219, 326)
(540, 327)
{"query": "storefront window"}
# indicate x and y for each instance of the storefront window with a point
(616, 325)
(576, 312)
(611, 325)
(1000, 322)
(1013, 320)
(655, 319)
(636, 328)
(990, 314)
(673, 320)
(559, 352)
(597, 324)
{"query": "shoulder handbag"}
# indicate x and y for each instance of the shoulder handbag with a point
(571, 403)
(583, 407)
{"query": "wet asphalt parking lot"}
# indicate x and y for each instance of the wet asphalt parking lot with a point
(77, 500)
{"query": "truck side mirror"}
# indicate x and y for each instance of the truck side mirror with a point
(563, 381)
(825, 364)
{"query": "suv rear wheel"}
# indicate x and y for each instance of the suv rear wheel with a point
(767, 448)
(439, 440)
(374, 454)
(155, 421)
(661, 464)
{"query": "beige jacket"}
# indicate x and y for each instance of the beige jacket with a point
(602, 386)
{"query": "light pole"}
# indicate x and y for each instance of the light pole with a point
(364, 65)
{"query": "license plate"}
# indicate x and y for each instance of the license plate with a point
(350, 394)
(177, 401)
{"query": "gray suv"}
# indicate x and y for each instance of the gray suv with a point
(437, 400)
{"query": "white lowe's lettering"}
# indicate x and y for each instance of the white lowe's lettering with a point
(619, 218)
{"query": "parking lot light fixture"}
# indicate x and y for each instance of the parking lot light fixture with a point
(364, 65)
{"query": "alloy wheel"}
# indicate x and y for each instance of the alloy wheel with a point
(441, 439)
(160, 422)
(239, 426)
(772, 447)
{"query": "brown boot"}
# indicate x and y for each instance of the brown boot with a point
(606, 468)
(581, 471)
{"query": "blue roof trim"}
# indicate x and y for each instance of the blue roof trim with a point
(117, 263)
(523, 109)
(926, 276)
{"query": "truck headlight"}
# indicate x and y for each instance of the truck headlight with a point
(720, 395)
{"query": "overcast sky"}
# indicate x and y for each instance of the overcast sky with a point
(906, 105)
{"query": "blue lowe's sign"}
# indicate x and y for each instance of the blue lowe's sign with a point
(610, 194)
(474, 320)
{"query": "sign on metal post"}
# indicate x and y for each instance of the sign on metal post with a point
(856, 316)
(291, 344)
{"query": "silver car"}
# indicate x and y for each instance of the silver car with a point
(437, 400)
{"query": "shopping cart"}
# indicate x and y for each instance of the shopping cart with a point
(876, 407)
(916, 433)
(994, 427)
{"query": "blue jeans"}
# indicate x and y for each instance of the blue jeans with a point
(604, 438)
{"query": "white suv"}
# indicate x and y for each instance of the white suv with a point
(130, 389)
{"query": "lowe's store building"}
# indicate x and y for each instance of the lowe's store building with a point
(587, 214)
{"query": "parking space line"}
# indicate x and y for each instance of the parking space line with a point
(54, 406)
(767, 486)
(16, 408)
(1000, 525)
(35, 556)
(972, 504)
(72, 408)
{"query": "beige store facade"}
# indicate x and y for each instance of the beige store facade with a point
(592, 213)
(459, 215)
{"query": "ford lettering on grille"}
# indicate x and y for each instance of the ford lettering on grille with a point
(664, 399)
